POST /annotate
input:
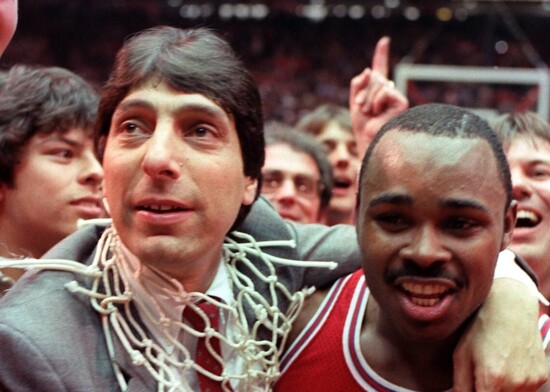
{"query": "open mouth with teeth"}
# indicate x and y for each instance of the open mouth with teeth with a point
(527, 219)
(160, 208)
(425, 294)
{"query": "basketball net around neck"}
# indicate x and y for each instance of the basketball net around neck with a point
(110, 297)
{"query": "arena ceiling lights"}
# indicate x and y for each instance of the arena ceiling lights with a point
(316, 10)
(319, 10)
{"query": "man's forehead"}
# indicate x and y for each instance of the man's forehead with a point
(407, 160)
(334, 131)
(150, 95)
(284, 155)
(400, 146)
(529, 142)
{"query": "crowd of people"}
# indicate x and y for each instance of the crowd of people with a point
(294, 75)
(140, 249)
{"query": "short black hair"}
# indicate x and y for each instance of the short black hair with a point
(449, 121)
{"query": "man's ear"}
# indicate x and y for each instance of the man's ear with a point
(250, 190)
(509, 223)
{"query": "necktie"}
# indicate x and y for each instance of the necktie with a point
(203, 355)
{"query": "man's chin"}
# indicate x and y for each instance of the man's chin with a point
(531, 253)
(342, 206)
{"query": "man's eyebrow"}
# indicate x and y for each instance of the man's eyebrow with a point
(451, 203)
(60, 137)
(539, 161)
(458, 204)
(133, 104)
(391, 198)
(193, 107)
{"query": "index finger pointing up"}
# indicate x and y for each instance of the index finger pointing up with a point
(381, 57)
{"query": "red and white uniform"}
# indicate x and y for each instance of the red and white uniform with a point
(327, 355)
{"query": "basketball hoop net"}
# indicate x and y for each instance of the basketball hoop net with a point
(257, 345)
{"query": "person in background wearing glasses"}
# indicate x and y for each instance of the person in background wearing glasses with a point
(297, 177)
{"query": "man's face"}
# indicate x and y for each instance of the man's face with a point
(174, 178)
(342, 154)
(57, 182)
(291, 183)
(8, 21)
(430, 227)
(529, 160)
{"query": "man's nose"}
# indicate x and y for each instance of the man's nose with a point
(162, 160)
(426, 248)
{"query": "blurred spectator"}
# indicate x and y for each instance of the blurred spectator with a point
(526, 140)
(297, 177)
(331, 125)
(49, 175)
(298, 63)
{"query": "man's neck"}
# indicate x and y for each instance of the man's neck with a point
(16, 244)
(196, 277)
(544, 288)
(386, 350)
(9, 252)
(542, 271)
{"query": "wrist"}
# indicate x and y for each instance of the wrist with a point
(507, 267)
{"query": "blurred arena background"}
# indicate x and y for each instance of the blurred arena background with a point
(303, 53)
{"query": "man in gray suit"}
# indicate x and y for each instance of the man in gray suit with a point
(180, 136)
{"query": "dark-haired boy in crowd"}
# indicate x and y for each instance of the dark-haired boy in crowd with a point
(49, 175)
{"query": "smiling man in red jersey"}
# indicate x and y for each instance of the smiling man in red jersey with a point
(526, 140)
(49, 174)
(435, 209)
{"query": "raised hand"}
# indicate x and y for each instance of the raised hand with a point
(373, 98)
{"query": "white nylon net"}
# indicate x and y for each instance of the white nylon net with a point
(258, 356)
